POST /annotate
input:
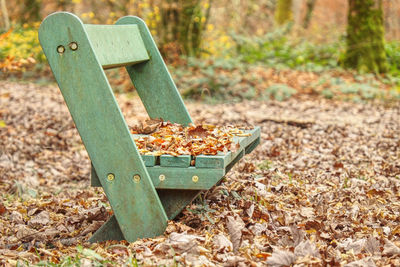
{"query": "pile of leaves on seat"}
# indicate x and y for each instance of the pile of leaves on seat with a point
(175, 139)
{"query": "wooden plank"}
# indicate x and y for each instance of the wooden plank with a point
(153, 81)
(149, 160)
(102, 127)
(222, 160)
(174, 200)
(117, 46)
(161, 100)
(252, 146)
(110, 230)
(246, 140)
(219, 161)
(182, 178)
(237, 157)
(94, 179)
(182, 161)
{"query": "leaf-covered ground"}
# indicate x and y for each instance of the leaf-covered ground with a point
(321, 189)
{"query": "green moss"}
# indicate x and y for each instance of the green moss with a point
(365, 37)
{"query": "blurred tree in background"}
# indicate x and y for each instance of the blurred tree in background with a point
(283, 11)
(310, 4)
(247, 31)
(183, 23)
(365, 37)
(4, 12)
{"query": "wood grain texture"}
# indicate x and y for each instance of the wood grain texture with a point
(102, 127)
(117, 46)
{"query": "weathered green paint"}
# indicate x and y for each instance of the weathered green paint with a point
(110, 230)
(181, 178)
(222, 160)
(153, 82)
(102, 127)
(174, 201)
(149, 160)
(238, 156)
(140, 211)
(178, 178)
(182, 161)
(94, 179)
(252, 146)
(117, 46)
(208, 161)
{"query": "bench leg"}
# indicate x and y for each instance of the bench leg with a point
(174, 201)
(108, 231)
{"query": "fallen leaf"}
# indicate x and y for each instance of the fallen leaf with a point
(372, 245)
(39, 220)
(365, 262)
(2, 209)
(306, 248)
(235, 227)
(222, 243)
(281, 258)
(390, 248)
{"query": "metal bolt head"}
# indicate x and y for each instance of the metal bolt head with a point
(73, 46)
(110, 176)
(136, 178)
(195, 179)
(161, 177)
(60, 49)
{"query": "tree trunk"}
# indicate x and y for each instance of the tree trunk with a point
(365, 50)
(5, 15)
(310, 4)
(283, 11)
(182, 24)
(31, 10)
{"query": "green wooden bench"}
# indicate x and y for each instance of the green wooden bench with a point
(144, 191)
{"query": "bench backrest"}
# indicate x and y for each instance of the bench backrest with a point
(117, 45)
(77, 54)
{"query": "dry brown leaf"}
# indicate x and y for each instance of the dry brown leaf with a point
(235, 225)
(2, 209)
(40, 220)
(372, 245)
(390, 248)
(280, 258)
(222, 243)
(183, 242)
(306, 248)
(365, 262)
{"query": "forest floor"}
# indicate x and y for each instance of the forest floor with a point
(322, 188)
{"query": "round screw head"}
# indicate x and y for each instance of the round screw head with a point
(136, 178)
(161, 177)
(73, 46)
(195, 179)
(60, 49)
(110, 176)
